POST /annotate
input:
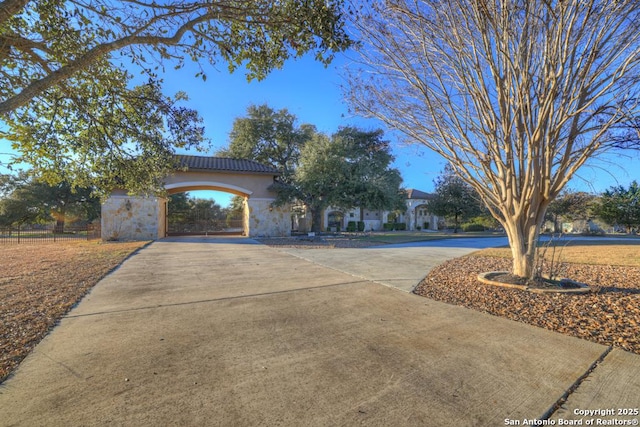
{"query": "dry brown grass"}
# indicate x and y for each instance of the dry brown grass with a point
(39, 283)
(599, 253)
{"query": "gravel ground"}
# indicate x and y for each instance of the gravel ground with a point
(610, 315)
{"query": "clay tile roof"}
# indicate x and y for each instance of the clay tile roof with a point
(417, 194)
(224, 164)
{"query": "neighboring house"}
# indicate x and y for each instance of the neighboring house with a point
(416, 215)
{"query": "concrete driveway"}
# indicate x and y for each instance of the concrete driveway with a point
(202, 332)
(402, 266)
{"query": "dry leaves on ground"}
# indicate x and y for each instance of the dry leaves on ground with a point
(39, 283)
(610, 316)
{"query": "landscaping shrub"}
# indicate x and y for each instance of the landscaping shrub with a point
(361, 226)
(400, 226)
(387, 226)
(473, 227)
(351, 226)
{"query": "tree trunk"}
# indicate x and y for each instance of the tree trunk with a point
(455, 223)
(316, 219)
(523, 238)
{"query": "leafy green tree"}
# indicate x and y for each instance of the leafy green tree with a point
(68, 101)
(46, 42)
(269, 137)
(620, 206)
(30, 200)
(178, 202)
(454, 199)
(116, 137)
(350, 169)
(235, 208)
(316, 179)
(571, 206)
(370, 181)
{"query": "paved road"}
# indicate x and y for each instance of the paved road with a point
(214, 332)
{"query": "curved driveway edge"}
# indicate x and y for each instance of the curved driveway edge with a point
(401, 266)
(200, 333)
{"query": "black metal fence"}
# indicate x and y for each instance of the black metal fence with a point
(48, 233)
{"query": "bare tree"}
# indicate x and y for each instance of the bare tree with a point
(516, 94)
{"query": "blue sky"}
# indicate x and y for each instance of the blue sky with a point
(312, 92)
(307, 89)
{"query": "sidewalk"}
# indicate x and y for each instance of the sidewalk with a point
(212, 332)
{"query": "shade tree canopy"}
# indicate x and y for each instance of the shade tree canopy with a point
(351, 168)
(69, 102)
(270, 137)
(46, 42)
(26, 200)
(105, 135)
(516, 95)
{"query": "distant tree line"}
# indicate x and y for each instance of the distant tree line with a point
(618, 207)
(28, 200)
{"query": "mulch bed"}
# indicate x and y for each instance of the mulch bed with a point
(610, 315)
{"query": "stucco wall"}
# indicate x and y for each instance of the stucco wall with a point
(246, 184)
(132, 218)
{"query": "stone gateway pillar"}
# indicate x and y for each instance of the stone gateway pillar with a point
(264, 220)
(133, 218)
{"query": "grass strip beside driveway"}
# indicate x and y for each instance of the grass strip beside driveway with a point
(39, 283)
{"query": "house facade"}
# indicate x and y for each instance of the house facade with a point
(416, 217)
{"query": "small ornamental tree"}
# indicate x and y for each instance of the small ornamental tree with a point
(454, 199)
(516, 95)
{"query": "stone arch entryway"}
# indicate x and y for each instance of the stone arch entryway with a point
(205, 210)
(126, 217)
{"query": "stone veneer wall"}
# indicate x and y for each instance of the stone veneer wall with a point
(262, 220)
(133, 218)
(144, 218)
